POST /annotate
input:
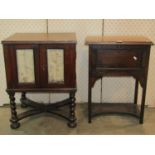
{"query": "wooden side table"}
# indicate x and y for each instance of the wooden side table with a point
(40, 62)
(118, 56)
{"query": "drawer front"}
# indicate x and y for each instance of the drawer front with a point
(118, 58)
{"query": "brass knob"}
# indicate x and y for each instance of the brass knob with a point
(135, 58)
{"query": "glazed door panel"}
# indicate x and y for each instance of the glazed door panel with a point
(26, 66)
(41, 66)
(57, 65)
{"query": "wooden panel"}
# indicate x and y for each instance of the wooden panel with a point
(129, 40)
(118, 58)
(21, 62)
(115, 108)
(41, 38)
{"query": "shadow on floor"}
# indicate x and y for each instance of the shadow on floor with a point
(46, 124)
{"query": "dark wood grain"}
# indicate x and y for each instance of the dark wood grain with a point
(125, 40)
(39, 43)
(40, 38)
(118, 56)
(115, 108)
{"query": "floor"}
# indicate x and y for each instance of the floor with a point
(44, 124)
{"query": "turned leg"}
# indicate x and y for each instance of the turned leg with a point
(14, 119)
(23, 97)
(72, 117)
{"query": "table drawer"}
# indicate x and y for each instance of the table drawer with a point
(118, 58)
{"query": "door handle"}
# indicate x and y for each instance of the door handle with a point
(135, 58)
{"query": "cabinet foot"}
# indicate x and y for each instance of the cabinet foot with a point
(72, 124)
(141, 121)
(15, 125)
(89, 121)
(23, 105)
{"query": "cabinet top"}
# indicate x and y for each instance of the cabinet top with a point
(41, 38)
(126, 40)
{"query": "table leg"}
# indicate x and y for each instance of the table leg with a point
(136, 92)
(89, 104)
(72, 117)
(23, 97)
(14, 119)
(142, 104)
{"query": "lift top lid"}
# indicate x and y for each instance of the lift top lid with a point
(39, 38)
(128, 40)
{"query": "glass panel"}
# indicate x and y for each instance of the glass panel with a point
(25, 65)
(55, 58)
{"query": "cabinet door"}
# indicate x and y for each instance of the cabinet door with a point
(26, 66)
(58, 65)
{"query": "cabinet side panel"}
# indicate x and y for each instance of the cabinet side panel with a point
(70, 65)
(10, 66)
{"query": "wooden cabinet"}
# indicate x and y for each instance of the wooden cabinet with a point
(38, 62)
(118, 56)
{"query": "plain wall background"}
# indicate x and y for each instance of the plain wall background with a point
(114, 89)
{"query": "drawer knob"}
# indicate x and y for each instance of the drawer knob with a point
(135, 58)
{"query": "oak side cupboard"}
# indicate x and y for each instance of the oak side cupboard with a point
(40, 62)
(118, 56)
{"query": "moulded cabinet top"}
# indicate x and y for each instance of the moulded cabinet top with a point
(126, 40)
(40, 38)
